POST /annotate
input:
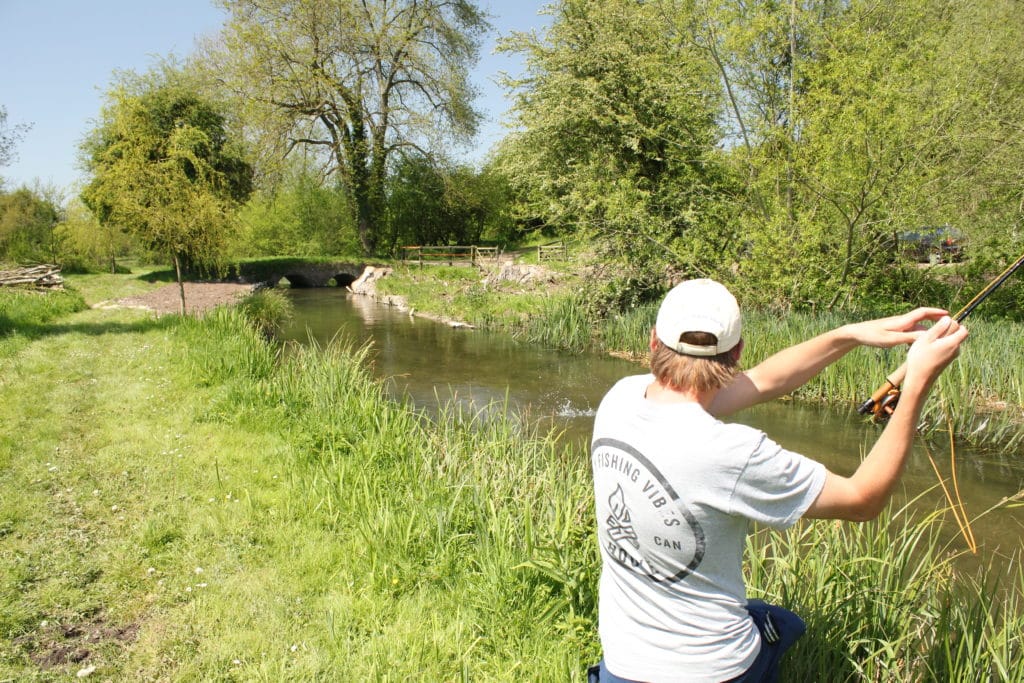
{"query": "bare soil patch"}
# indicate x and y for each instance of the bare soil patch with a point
(56, 644)
(199, 297)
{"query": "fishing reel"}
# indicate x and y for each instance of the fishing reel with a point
(881, 409)
(885, 408)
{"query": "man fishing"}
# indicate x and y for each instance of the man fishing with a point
(676, 488)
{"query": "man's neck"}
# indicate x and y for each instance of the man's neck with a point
(659, 392)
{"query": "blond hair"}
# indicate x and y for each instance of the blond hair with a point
(703, 374)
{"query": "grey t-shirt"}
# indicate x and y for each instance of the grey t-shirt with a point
(675, 490)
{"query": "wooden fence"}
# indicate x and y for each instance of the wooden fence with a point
(552, 251)
(449, 254)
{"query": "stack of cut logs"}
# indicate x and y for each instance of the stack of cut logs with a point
(44, 276)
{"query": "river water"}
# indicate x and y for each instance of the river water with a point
(428, 361)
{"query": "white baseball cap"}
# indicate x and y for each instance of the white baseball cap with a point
(699, 306)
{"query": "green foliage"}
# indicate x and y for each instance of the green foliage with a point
(780, 148)
(163, 167)
(884, 601)
(268, 310)
(25, 310)
(300, 217)
(27, 222)
(431, 205)
(617, 113)
(87, 245)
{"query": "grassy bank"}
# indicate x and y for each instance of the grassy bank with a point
(183, 502)
(982, 393)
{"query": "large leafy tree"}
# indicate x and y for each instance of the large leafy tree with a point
(354, 80)
(854, 121)
(164, 167)
(616, 118)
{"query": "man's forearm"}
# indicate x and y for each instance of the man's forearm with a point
(878, 473)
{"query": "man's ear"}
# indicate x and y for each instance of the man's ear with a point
(736, 351)
(654, 340)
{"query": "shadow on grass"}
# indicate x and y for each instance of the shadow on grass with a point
(158, 276)
(33, 331)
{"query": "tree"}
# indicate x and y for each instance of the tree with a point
(299, 216)
(355, 81)
(27, 221)
(84, 243)
(163, 166)
(616, 134)
(432, 204)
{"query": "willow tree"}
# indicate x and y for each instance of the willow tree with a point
(354, 81)
(163, 166)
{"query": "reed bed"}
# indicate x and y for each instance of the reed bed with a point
(884, 601)
(982, 392)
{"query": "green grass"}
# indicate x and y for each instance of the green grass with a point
(24, 314)
(460, 293)
(187, 502)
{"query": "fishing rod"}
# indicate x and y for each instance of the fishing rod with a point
(883, 401)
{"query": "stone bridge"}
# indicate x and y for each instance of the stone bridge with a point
(301, 273)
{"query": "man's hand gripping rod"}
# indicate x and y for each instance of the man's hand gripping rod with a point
(883, 401)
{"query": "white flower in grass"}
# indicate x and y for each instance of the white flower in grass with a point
(198, 570)
(87, 671)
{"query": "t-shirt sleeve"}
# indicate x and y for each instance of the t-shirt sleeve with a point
(776, 486)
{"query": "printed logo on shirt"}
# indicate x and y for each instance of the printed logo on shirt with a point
(643, 524)
(619, 527)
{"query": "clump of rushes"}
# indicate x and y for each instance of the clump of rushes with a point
(268, 310)
(884, 601)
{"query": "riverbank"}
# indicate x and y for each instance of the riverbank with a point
(182, 502)
(981, 396)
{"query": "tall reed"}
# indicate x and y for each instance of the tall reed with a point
(884, 601)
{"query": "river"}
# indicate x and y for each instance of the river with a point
(428, 361)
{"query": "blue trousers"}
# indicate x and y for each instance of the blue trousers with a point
(779, 629)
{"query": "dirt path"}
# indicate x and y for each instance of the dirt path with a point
(199, 297)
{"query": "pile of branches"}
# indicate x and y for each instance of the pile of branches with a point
(43, 277)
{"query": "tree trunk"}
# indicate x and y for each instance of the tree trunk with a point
(181, 283)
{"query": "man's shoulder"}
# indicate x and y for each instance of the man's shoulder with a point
(633, 385)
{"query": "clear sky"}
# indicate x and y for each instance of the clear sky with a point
(57, 57)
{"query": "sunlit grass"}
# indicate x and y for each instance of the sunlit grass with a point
(257, 515)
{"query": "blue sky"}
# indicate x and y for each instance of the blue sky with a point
(58, 56)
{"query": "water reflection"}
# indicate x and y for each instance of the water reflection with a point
(428, 361)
